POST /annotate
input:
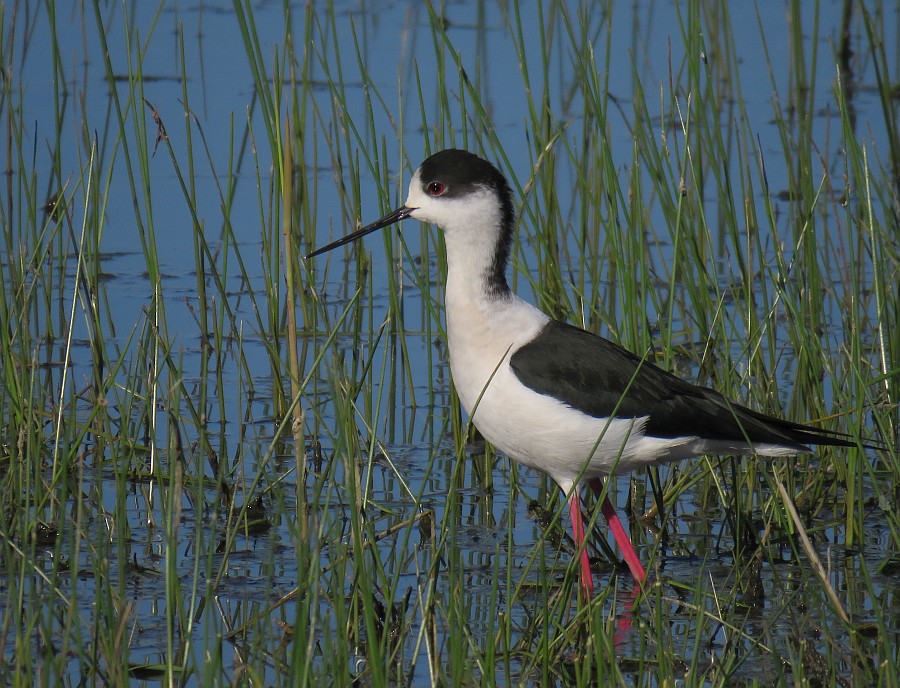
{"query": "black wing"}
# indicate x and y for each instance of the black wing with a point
(592, 374)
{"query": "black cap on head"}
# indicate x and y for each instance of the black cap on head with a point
(461, 172)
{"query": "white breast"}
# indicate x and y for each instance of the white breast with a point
(531, 428)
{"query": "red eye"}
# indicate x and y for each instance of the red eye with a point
(435, 188)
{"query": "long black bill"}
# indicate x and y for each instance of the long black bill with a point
(400, 213)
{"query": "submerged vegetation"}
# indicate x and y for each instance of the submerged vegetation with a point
(222, 463)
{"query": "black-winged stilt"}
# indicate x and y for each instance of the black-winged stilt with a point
(552, 396)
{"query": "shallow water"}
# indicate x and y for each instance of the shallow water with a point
(492, 519)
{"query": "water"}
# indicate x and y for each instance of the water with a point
(397, 44)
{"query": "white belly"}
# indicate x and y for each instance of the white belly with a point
(531, 428)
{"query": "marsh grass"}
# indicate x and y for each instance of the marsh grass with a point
(255, 471)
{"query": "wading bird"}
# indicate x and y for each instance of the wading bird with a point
(552, 396)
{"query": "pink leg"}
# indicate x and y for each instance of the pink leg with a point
(624, 542)
(587, 581)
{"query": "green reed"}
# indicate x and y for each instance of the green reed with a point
(741, 287)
